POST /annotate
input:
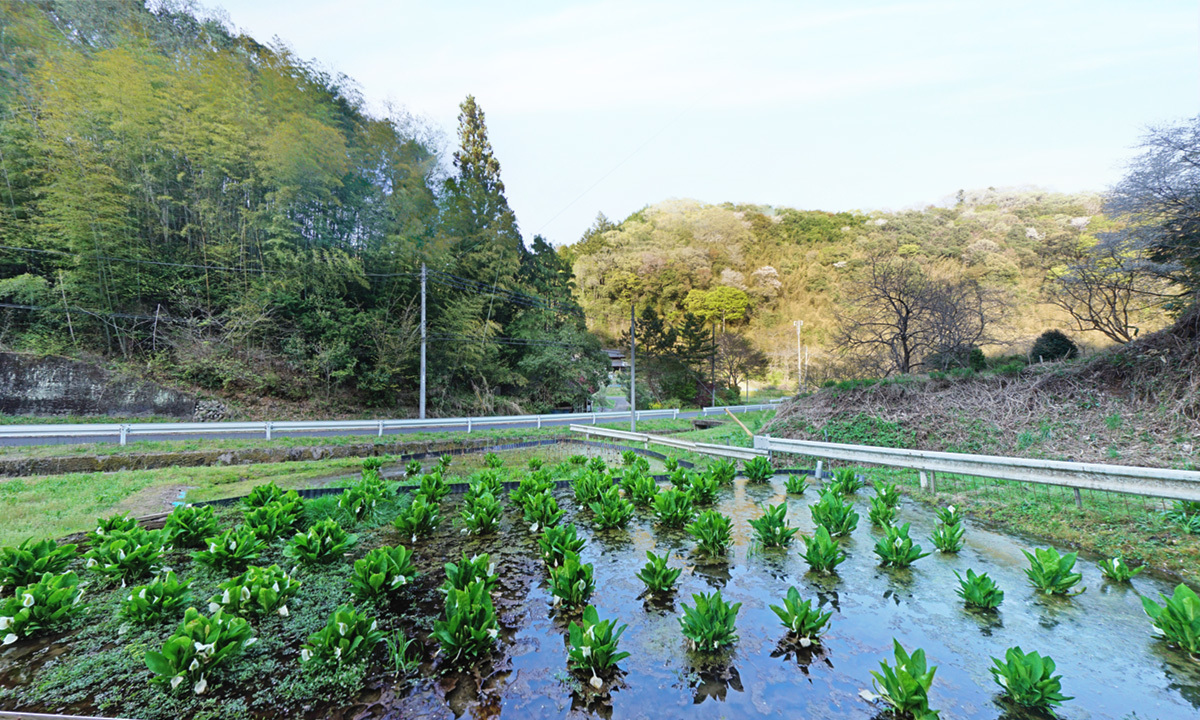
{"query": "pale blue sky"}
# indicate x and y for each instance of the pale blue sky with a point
(613, 105)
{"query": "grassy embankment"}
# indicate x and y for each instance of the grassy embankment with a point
(57, 505)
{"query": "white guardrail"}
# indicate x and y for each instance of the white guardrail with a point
(1151, 482)
(738, 453)
(122, 431)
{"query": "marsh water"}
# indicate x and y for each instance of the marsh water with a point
(1101, 640)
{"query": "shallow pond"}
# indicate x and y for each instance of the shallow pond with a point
(1101, 640)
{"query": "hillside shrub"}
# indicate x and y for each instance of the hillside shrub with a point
(1053, 345)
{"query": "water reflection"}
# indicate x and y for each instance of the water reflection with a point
(803, 656)
(988, 621)
(714, 681)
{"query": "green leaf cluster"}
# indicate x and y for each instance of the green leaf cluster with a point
(1051, 573)
(572, 582)
(467, 629)
(771, 528)
(979, 591)
(1117, 570)
(611, 510)
(881, 514)
(541, 511)
(1028, 679)
(48, 604)
(896, 548)
(804, 621)
(656, 575)
(127, 554)
(758, 470)
(710, 625)
(481, 513)
(258, 591)
(324, 542)
(592, 644)
(556, 541)
(795, 485)
(232, 550)
(589, 486)
(906, 686)
(200, 646)
(673, 508)
(838, 517)
(348, 635)
(381, 571)
(822, 552)
(1178, 618)
(164, 598)
(189, 525)
(703, 489)
(275, 519)
(846, 482)
(29, 561)
(360, 499)
(712, 531)
(420, 518)
(468, 571)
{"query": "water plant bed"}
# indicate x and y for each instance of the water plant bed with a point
(1102, 642)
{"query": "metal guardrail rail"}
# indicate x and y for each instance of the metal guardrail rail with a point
(1133, 480)
(123, 431)
(737, 453)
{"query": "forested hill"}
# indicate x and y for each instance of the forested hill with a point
(760, 268)
(190, 201)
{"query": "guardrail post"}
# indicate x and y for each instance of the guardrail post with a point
(380, 429)
(593, 418)
(1078, 499)
(818, 475)
(468, 425)
(675, 416)
(928, 481)
(124, 433)
(267, 428)
(539, 418)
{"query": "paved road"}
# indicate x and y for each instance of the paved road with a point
(13, 442)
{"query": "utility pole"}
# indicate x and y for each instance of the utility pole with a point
(799, 359)
(632, 370)
(421, 408)
(712, 363)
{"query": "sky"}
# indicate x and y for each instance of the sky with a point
(613, 105)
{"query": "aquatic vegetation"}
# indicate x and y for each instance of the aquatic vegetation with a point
(29, 561)
(881, 514)
(572, 582)
(713, 532)
(681, 478)
(400, 653)
(127, 554)
(46, 605)
(541, 511)
(232, 550)
(771, 528)
(592, 645)
(704, 489)
(949, 515)
(758, 469)
(347, 636)
(948, 538)
(629, 457)
(710, 625)
(481, 513)
(1051, 572)
(1117, 570)
(468, 571)
(1028, 679)
(535, 483)
(1178, 618)
(597, 464)
(269, 493)
(822, 553)
(838, 517)
(200, 646)
(887, 493)
(434, 487)
(673, 508)
(493, 460)
(412, 468)
(846, 482)
(258, 591)
(360, 499)
(724, 470)
(906, 686)
(795, 484)
(467, 629)
(535, 463)
(896, 548)
(656, 575)
(555, 542)
(643, 491)
(163, 598)
(382, 570)
(611, 510)
(589, 486)
(324, 542)
(115, 523)
(979, 591)
(419, 519)
(273, 520)
(188, 525)
(804, 621)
